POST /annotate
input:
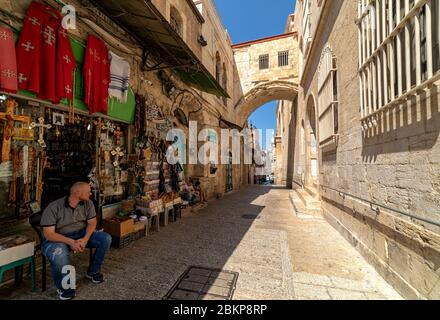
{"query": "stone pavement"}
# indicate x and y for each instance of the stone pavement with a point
(279, 250)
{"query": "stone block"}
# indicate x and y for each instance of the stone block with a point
(398, 258)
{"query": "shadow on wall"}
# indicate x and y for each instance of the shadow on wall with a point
(408, 127)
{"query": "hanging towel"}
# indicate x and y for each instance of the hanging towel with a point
(8, 62)
(120, 75)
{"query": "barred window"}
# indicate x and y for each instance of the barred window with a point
(327, 96)
(399, 52)
(283, 58)
(264, 61)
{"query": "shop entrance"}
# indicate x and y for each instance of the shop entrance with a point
(70, 154)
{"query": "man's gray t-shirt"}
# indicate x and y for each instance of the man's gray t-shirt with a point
(65, 219)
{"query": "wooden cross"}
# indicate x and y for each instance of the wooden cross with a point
(42, 126)
(8, 130)
(118, 133)
(117, 153)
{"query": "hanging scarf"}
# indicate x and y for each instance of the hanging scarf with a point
(8, 62)
(120, 75)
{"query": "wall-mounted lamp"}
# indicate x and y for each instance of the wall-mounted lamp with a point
(202, 41)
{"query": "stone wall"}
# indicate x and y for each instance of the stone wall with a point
(396, 165)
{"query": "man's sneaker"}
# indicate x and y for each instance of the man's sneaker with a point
(66, 294)
(96, 279)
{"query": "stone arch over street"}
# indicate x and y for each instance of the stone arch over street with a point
(262, 94)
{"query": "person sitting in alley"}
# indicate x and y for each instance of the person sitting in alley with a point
(200, 196)
(188, 192)
(69, 225)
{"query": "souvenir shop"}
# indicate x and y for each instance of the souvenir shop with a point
(68, 114)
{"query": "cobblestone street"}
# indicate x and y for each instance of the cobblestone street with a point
(278, 252)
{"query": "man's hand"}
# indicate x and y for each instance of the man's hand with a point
(77, 246)
(83, 242)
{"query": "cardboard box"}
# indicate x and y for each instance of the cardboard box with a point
(138, 226)
(118, 227)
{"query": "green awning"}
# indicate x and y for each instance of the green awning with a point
(142, 20)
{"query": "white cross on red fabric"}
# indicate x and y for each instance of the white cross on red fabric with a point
(4, 36)
(68, 89)
(9, 74)
(49, 35)
(22, 78)
(34, 21)
(28, 46)
(67, 59)
(63, 33)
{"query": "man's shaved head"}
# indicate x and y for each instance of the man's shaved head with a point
(81, 190)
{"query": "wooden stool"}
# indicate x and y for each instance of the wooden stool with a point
(18, 266)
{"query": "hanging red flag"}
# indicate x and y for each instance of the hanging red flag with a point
(66, 65)
(29, 47)
(44, 55)
(96, 75)
(8, 62)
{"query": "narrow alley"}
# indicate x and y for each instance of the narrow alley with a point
(279, 252)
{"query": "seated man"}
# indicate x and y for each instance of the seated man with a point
(200, 196)
(69, 224)
(188, 192)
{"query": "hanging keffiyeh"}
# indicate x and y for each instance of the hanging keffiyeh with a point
(120, 74)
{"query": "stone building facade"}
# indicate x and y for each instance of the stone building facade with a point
(373, 160)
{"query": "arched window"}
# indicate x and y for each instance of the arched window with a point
(176, 21)
(327, 96)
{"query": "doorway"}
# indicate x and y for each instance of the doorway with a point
(312, 169)
(229, 183)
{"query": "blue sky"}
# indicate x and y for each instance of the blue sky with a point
(248, 20)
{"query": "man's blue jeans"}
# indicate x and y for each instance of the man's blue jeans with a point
(59, 254)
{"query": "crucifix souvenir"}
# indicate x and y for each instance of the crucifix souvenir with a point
(117, 153)
(119, 134)
(41, 125)
(107, 127)
(8, 130)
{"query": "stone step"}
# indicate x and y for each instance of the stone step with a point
(312, 191)
(309, 202)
